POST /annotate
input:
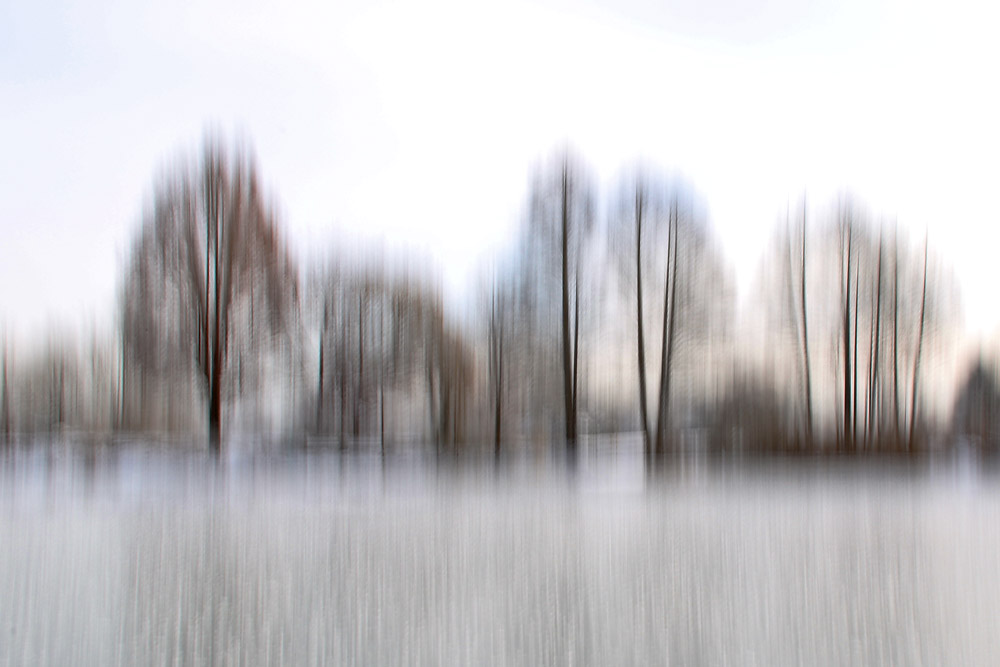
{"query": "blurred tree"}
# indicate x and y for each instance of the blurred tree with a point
(635, 209)
(663, 249)
(208, 273)
(560, 224)
(868, 299)
(384, 346)
(784, 303)
(698, 307)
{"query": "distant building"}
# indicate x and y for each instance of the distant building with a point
(976, 417)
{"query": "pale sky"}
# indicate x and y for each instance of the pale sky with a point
(419, 123)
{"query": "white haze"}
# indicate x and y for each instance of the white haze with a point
(419, 124)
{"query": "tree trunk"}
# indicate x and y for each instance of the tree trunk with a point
(215, 414)
(447, 424)
(215, 384)
(895, 339)
(916, 357)
(499, 396)
(212, 288)
(805, 336)
(640, 338)
(854, 384)
(431, 396)
(569, 407)
(496, 367)
(381, 372)
(576, 345)
(794, 315)
(120, 407)
(60, 395)
(667, 344)
(875, 416)
(320, 397)
(342, 373)
(848, 436)
(361, 370)
(660, 423)
(671, 342)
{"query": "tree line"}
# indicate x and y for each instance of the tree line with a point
(615, 312)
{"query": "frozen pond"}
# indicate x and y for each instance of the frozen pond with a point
(137, 556)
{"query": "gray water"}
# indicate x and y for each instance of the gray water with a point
(142, 556)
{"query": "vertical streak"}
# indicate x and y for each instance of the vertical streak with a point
(916, 358)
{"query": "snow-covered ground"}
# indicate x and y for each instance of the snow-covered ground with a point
(152, 557)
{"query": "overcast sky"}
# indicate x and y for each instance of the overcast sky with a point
(420, 122)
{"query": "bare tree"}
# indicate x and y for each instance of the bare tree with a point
(798, 313)
(846, 249)
(637, 211)
(871, 327)
(497, 327)
(384, 337)
(559, 227)
(208, 272)
(674, 279)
